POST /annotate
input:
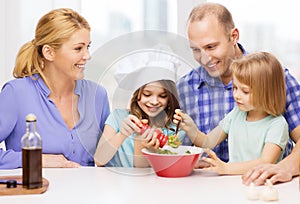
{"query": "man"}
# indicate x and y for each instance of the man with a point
(283, 171)
(206, 92)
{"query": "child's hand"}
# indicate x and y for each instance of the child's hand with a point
(216, 164)
(149, 138)
(130, 125)
(187, 124)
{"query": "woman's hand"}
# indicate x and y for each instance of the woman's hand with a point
(130, 125)
(187, 124)
(216, 164)
(57, 161)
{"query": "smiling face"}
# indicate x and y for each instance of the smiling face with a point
(70, 59)
(212, 47)
(153, 99)
(242, 95)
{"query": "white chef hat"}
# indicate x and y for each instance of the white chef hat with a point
(147, 65)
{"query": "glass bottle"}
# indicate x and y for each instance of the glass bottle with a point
(31, 144)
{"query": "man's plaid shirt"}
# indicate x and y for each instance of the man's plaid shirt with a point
(207, 100)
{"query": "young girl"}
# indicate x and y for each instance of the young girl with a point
(155, 100)
(257, 132)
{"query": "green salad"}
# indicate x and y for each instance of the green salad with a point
(174, 141)
(165, 151)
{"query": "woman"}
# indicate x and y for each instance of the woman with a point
(49, 83)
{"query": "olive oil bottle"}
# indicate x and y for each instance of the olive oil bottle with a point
(31, 143)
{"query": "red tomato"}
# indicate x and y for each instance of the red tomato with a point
(144, 128)
(163, 139)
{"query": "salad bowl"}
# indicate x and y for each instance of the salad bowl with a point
(173, 162)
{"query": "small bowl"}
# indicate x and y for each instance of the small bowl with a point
(180, 164)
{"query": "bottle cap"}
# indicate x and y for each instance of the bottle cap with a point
(31, 117)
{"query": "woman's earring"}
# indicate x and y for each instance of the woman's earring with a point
(42, 64)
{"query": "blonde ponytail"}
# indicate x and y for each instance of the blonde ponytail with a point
(28, 61)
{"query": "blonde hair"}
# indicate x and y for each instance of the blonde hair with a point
(263, 73)
(219, 11)
(53, 29)
(165, 117)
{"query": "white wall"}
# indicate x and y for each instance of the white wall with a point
(17, 23)
(184, 9)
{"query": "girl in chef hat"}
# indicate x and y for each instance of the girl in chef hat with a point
(151, 75)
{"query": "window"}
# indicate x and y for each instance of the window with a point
(269, 26)
(110, 19)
